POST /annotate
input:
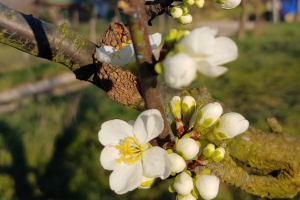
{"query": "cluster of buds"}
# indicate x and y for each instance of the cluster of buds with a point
(181, 11)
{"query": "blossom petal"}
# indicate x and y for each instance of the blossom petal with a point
(157, 163)
(180, 70)
(108, 55)
(229, 4)
(114, 131)
(127, 54)
(210, 70)
(155, 40)
(126, 177)
(109, 156)
(226, 51)
(148, 125)
(200, 42)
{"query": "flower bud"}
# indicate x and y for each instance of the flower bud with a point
(175, 107)
(171, 37)
(199, 3)
(147, 182)
(181, 34)
(184, 8)
(187, 148)
(218, 154)
(209, 150)
(188, 2)
(178, 163)
(176, 12)
(185, 19)
(185, 197)
(208, 186)
(171, 121)
(183, 183)
(230, 125)
(209, 114)
(192, 121)
(180, 70)
(188, 108)
(229, 4)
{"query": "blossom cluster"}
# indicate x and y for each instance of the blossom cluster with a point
(138, 164)
(181, 11)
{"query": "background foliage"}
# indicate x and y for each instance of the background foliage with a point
(49, 148)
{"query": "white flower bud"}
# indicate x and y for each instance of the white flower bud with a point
(229, 4)
(185, 19)
(231, 124)
(187, 148)
(186, 197)
(209, 114)
(218, 154)
(175, 107)
(180, 70)
(199, 3)
(183, 183)
(147, 182)
(188, 2)
(178, 163)
(185, 8)
(208, 186)
(188, 108)
(209, 150)
(176, 12)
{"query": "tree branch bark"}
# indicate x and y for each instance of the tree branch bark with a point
(275, 156)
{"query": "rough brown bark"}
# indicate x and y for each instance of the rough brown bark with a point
(243, 19)
(156, 7)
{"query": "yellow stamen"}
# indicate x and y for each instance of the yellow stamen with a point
(117, 47)
(113, 55)
(129, 41)
(123, 44)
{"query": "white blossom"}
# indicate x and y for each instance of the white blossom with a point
(229, 4)
(188, 2)
(186, 197)
(115, 56)
(199, 3)
(231, 124)
(218, 154)
(207, 51)
(178, 163)
(188, 108)
(208, 186)
(176, 12)
(185, 19)
(209, 114)
(183, 183)
(179, 70)
(187, 148)
(129, 155)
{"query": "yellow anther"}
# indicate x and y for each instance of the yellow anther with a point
(119, 160)
(117, 47)
(113, 55)
(119, 57)
(129, 41)
(127, 141)
(123, 44)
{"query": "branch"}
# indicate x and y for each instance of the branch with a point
(275, 155)
(155, 8)
(137, 20)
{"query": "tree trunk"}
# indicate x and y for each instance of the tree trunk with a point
(243, 19)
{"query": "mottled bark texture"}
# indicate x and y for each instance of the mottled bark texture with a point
(274, 158)
(155, 8)
(137, 21)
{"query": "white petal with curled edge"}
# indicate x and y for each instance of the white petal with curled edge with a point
(226, 51)
(114, 131)
(244, 124)
(200, 42)
(155, 40)
(208, 186)
(126, 177)
(148, 125)
(108, 55)
(229, 125)
(210, 70)
(156, 163)
(229, 4)
(109, 156)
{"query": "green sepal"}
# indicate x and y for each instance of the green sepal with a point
(170, 151)
(195, 191)
(195, 158)
(171, 189)
(159, 68)
(188, 172)
(187, 112)
(185, 9)
(220, 135)
(170, 54)
(207, 122)
(217, 156)
(219, 1)
(207, 153)
(198, 143)
(206, 172)
(171, 38)
(186, 136)
(173, 173)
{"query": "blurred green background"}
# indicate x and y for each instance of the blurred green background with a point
(49, 147)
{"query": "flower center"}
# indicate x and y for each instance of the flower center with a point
(130, 150)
